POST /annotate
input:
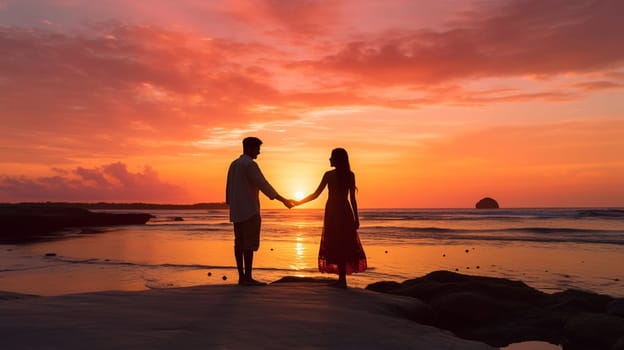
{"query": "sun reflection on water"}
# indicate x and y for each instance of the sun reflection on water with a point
(300, 256)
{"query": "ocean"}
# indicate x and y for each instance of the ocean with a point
(548, 249)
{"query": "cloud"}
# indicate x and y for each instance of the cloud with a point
(126, 71)
(511, 38)
(293, 20)
(111, 87)
(599, 85)
(112, 182)
(146, 81)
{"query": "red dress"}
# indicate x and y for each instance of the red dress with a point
(340, 241)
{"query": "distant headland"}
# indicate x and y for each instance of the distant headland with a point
(122, 206)
(30, 222)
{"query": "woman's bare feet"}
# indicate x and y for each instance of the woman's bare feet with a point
(339, 284)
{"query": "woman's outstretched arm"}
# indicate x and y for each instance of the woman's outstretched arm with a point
(316, 193)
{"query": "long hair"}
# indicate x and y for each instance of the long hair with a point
(343, 168)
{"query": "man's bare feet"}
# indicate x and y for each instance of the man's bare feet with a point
(250, 282)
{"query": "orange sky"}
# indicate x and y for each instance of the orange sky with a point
(438, 103)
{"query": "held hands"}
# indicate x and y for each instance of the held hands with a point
(288, 203)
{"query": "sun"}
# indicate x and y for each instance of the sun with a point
(299, 195)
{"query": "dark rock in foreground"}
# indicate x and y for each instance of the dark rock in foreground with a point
(26, 223)
(487, 203)
(500, 312)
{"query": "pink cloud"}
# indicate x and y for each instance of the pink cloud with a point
(288, 19)
(514, 38)
(112, 86)
(599, 85)
(111, 89)
(106, 74)
(178, 83)
(112, 182)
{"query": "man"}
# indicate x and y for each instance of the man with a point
(244, 181)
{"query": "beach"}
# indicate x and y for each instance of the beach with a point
(278, 316)
(172, 281)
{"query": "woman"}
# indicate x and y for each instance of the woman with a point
(341, 251)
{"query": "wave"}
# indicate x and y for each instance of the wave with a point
(614, 213)
(529, 234)
(582, 225)
(187, 228)
(543, 230)
(107, 262)
(181, 220)
(136, 264)
(221, 218)
(494, 214)
(24, 268)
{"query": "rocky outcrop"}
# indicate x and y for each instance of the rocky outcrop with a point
(499, 312)
(487, 203)
(12, 296)
(25, 223)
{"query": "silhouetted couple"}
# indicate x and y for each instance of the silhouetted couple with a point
(340, 251)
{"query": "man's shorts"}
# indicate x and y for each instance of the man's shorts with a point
(247, 234)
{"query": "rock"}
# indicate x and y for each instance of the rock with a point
(616, 307)
(580, 301)
(619, 345)
(456, 309)
(592, 331)
(499, 312)
(178, 218)
(26, 223)
(11, 296)
(384, 286)
(487, 203)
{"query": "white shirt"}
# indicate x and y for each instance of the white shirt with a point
(244, 180)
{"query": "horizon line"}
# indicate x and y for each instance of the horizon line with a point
(199, 204)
